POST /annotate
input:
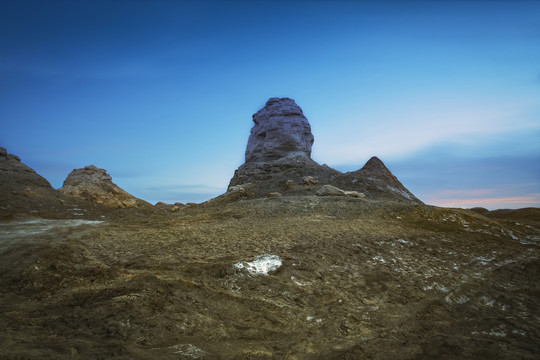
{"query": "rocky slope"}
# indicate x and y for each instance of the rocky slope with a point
(19, 179)
(278, 162)
(530, 214)
(94, 184)
(87, 192)
(291, 277)
(23, 191)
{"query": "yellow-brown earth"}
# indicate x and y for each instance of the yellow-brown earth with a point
(359, 279)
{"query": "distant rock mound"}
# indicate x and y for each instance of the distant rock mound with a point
(94, 184)
(523, 214)
(278, 160)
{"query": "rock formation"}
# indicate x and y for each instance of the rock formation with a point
(15, 176)
(94, 184)
(281, 131)
(24, 192)
(329, 190)
(21, 186)
(278, 159)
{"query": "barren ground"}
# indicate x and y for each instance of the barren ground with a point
(359, 280)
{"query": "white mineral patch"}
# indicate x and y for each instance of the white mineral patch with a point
(262, 265)
(485, 260)
(297, 282)
(497, 332)
(402, 241)
(462, 299)
(436, 286)
(487, 301)
(15, 229)
(399, 191)
(189, 350)
(530, 240)
(379, 259)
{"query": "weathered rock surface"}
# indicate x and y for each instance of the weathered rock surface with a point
(16, 176)
(281, 131)
(278, 159)
(375, 171)
(329, 190)
(22, 190)
(94, 184)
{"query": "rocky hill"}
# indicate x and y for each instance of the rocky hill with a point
(19, 179)
(311, 264)
(278, 162)
(22, 190)
(94, 184)
(88, 192)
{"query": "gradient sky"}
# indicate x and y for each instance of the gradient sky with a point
(161, 93)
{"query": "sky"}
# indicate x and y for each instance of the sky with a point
(161, 93)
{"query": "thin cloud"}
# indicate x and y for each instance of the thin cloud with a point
(488, 202)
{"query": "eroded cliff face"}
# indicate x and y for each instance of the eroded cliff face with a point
(278, 162)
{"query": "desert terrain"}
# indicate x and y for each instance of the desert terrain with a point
(294, 261)
(355, 279)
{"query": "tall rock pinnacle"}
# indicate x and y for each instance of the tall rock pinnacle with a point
(278, 162)
(280, 131)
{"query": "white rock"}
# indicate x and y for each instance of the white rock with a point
(262, 265)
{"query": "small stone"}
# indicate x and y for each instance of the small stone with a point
(310, 180)
(355, 194)
(273, 194)
(289, 184)
(237, 189)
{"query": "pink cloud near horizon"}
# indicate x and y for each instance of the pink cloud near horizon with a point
(465, 200)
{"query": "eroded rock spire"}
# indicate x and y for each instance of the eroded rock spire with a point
(280, 131)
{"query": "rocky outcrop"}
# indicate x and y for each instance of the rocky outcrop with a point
(376, 172)
(19, 183)
(16, 176)
(23, 192)
(280, 131)
(329, 190)
(94, 184)
(278, 159)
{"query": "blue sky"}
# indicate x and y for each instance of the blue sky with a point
(161, 93)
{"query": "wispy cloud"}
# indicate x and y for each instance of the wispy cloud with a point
(408, 129)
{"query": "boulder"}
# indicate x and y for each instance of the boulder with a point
(309, 180)
(329, 190)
